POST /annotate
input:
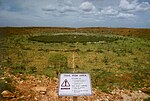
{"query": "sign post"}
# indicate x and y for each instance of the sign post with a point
(75, 98)
(75, 84)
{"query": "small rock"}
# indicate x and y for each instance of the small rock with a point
(21, 81)
(139, 91)
(21, 97)
(2, 78)
(35, 98)
(39, 81)
(41, 92)
(55, 79)
(39, 89)
(7, 94)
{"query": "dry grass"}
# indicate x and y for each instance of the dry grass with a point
(123, 63)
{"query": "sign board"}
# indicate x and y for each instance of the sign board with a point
(75, 84)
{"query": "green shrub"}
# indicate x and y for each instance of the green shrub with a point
(1, 72)
(58, 60)
(32, 70)
(50, 72)
(105, 60)
(102, 79)
(5, 86)
(100, 50)
(19, 68)
(147, 99)
(15, 71)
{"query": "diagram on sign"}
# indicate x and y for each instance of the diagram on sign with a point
(65, 83)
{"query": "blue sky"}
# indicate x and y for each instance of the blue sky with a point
(75, 13)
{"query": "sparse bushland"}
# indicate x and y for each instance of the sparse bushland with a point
(114, 61)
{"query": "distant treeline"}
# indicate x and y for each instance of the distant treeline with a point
(139, 32)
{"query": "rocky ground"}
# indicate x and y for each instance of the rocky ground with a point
(43, 88)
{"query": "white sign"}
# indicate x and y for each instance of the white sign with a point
(75, 84)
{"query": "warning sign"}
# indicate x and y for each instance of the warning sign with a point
(65, 83)
(78, 84)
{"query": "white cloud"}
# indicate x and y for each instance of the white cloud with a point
(49, 8)
(133, 6)
(66, 6)
(66, 9)
(126, 5)
(55, 14)
(88, 9)
(109, 11)
(68, 3)
(143, 6)
(131, 13)
(87, 6)
(60, 8)
(125, 15)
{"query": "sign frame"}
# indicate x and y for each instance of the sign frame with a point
(65, 84)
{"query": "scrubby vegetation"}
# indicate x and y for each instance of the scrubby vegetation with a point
(4, 85)
(114, 61)
(73, 38)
